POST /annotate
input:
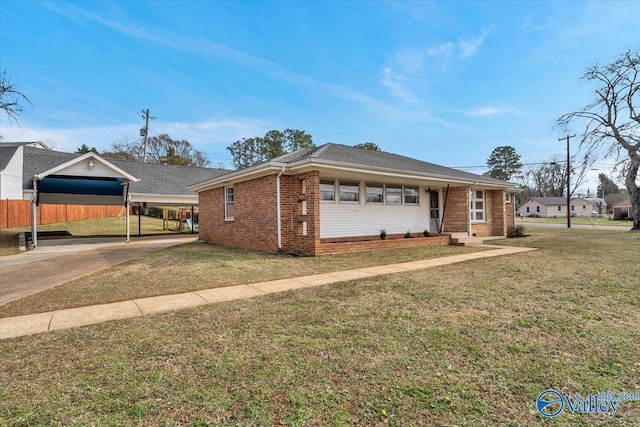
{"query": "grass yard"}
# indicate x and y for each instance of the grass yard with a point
(113, 226)
(196, 266)
(465, 344)
(8, 242)
(578, 220)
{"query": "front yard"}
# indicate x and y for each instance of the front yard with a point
(465, 344)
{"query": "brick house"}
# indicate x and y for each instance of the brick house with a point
(622, 208)
(336, 198)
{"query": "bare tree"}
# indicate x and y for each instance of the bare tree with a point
(161, 149)
(550, 179)
(612, 120)
(11, 99)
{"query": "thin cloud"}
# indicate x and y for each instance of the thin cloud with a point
(395, 83)
(206, 135)
(489, 111)
(470, 47)
(462, 49)
(207, 47)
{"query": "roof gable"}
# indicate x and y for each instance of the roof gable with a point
(88, 165)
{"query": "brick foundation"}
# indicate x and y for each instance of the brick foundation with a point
(379, 244)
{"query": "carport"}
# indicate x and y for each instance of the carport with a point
(85, 180)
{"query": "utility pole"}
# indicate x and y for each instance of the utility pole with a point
(145, 131)
(568, 180)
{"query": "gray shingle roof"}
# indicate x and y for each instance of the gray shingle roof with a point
(155, 178)
(378, 159)
(158, 178)
(549, 200)
(37, 160)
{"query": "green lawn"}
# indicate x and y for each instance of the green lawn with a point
(195, 266)
(577, 220)
(464, 344)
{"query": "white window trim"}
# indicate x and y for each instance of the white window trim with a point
(386, 195)
(472, 206)
(227, 203)
(350, 184)
(335, 199)
(507, 198)
(382, 194)
(404, 195)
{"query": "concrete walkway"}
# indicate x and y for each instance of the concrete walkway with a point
(89, 315)
(55, 262)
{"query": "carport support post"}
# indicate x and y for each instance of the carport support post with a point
(126, 207)
(139, 220)
(193, 223)
(34, 222)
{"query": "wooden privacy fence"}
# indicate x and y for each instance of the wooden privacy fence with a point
(17, 213)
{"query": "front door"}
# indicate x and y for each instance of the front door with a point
(434, 210)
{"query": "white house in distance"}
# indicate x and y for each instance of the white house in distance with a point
(549, 207)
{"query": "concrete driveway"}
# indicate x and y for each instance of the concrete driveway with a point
(55, 262)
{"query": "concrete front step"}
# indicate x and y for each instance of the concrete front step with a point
(463, 239)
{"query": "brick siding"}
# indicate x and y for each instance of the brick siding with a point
(456, 214)
(254, 225)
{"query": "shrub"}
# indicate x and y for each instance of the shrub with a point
(518, 231)
(425, 233)
(154, 212)
(407, 235)
(383, 234)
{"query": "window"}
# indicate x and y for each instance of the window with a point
(528, 210)
(477, 205)
(327, 191)
(349, 192)
(559, 208)
(584, 207)
(394, 195)
(538, 209)
(507, 197)
(410, 196)
(374, 193)
(573, 208)
(228, 203)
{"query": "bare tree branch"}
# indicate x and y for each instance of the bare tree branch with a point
(11, 99)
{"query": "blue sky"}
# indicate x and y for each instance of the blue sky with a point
(445, 82)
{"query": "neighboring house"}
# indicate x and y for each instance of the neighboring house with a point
(544, 207)
(549, 207)
(588, 206)
(308, 199)
(619, 209)
(11, 168)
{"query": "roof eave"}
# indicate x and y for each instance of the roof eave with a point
(246, 174)
(394, 172)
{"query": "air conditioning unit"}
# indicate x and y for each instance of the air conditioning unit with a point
(143, 132)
